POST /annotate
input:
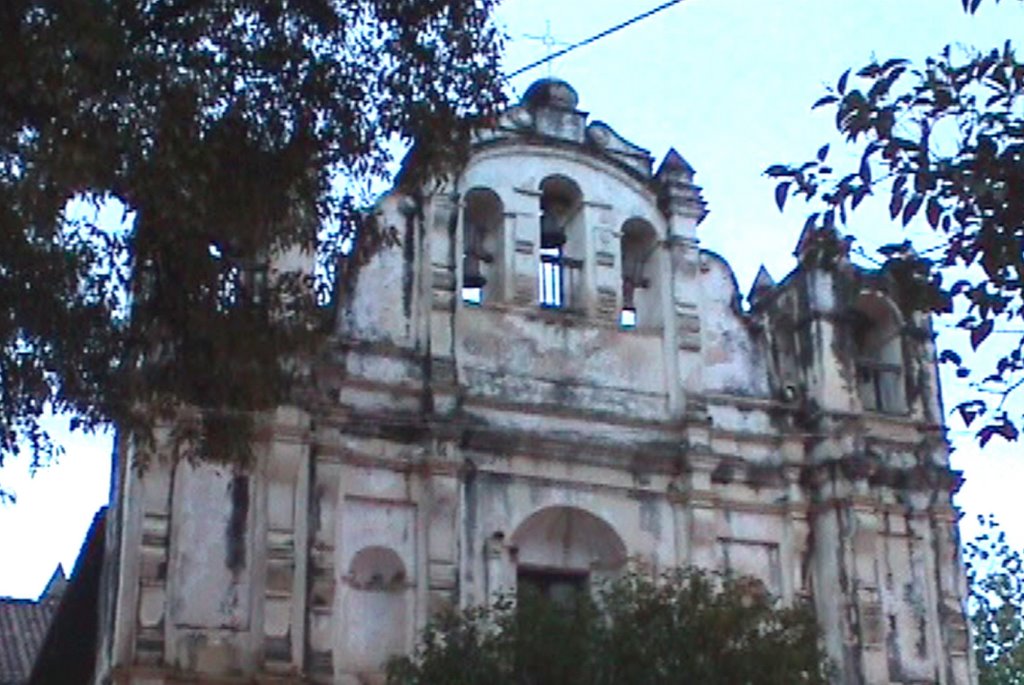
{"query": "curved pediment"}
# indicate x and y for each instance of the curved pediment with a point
(611, 143)
(549, 110)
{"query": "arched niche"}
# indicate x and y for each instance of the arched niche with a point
(641, 285)
(562, 549)
(483, 223)
(376, 604)
(878, 350)
(562, 243)
(377, 568)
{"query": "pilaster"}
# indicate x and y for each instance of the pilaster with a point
(286, 493)
(684, 208)
(440, 519)
(441, 232)
(322, 584)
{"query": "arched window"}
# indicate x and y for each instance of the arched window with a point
(878, 346)
(561, 549)
(482, 223)
(561, 242)
(638, 245)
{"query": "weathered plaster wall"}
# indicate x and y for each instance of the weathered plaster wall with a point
(451, 447)
(733, 356)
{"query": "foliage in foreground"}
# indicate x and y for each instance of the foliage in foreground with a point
(229, 131)
(995, 574)
(688, 626)
(943, 140)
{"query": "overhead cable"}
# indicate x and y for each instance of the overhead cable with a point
(596, 37)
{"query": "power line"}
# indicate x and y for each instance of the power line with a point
(596, 37)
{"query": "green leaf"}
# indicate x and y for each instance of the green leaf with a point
(895, 205)
(859, 194)
(249, 127)
(934, 211)
(841, 85)
(910, 209)
(781, 193)
(950, 357)
(894, 62)
(865, 169)
(971, 410)
(980, 332)
(825, 100)
(898, 184)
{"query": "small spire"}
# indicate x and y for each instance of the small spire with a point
(805, 239)
(673, 163)
(678, 195)
(763, 283)
(55, 586)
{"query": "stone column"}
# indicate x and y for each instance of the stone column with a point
(864, 548)
(286, 506)
(154, 488)
(845, 525)
(827, 381)
(830, 600)
(322, 588)
(440, 520)
(702, 533)
(795, 538)
(505, 289)
(598, 293)
(440, 234)
(684, 208)
(956, 638)
(500, 567)
(524, 208)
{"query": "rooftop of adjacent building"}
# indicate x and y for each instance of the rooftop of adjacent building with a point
(24, 624)
(52, 639)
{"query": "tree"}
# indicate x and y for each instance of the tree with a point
(944, 140)
(688, 626)
(995, 574)
(231, 133)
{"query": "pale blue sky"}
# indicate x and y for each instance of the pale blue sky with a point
(729, 83)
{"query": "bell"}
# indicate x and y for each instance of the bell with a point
(471, 276)
(551, 234)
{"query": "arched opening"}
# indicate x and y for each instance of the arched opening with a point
(376, 609)
(878, 345)
(560, 550)
(377, 568)
(482, 223)
(561, 242)
(638, 247)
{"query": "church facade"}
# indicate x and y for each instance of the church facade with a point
(543, 378)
